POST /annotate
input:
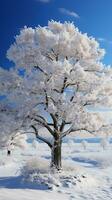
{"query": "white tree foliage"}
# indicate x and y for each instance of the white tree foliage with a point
(62, 76)
(17, 140)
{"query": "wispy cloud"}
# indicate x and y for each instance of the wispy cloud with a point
(43, 1)
(68, 12)
(100, 39)
(104, 40)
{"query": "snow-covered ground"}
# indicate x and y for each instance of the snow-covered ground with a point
(90, 171)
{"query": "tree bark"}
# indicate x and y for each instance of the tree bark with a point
(56, 155)
(8, 152)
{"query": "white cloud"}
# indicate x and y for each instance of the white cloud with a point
(104, 40)
(43, 1)
(68, 12)
(101, 39)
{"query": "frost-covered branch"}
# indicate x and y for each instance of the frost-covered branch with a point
(62, 125)
(40, 137)
(101, 129)
(44, 124)
(76, 130)
(41, 70)
(54, 121)
(64, 85)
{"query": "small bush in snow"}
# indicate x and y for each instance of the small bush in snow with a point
(70, 144)
(104, 143)
(84, 144)
(35, 166)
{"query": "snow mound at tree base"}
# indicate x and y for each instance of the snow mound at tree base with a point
(38, 172)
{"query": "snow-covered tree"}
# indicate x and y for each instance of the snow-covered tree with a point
(84, 144)
(58, 74)
(104, 143)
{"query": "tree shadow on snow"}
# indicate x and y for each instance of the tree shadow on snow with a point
(88, 162)
(17, 183)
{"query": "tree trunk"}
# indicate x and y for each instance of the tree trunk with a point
(56, 155)
(8, 152)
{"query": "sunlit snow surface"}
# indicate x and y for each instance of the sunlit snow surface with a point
(93, 162)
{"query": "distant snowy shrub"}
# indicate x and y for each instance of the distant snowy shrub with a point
(84, 144)
(70, 142)
(104, 143)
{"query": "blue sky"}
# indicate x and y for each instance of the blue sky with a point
(91, 16)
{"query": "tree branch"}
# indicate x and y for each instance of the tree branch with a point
(55, 55)
(64, 84)
(54, 121)
(40, 137)
(89, 103)
(93, 70)
(44, 124)
(74, 130)
(41, 70)
(49, 57)
(62, 125)
(50, 124)
(41, 117)
(46, 98)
